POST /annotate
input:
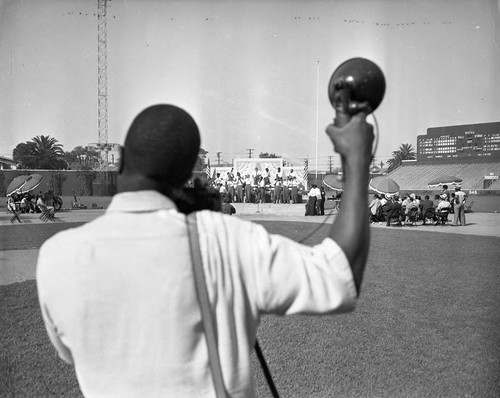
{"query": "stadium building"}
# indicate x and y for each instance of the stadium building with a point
(471, 152)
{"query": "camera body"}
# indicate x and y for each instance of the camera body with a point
(197, 198)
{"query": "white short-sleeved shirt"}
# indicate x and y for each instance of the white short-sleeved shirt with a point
(118, 299)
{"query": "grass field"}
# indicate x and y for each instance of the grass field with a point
(427, 325)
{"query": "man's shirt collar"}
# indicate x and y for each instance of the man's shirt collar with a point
(140, 201)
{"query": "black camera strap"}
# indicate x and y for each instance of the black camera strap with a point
(208, 317)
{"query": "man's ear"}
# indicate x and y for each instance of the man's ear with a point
(122, 160)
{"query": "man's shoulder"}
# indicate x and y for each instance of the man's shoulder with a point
(213, 222)
(70, 236)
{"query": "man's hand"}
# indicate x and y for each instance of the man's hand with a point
(354, 140)
(350, 229)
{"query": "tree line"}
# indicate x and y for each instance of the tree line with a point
(46, 153)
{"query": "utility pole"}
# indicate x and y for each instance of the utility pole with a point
(250, 150)
(330, 163)
(306, 172)
(218, 158)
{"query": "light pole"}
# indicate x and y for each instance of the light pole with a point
(317, 117)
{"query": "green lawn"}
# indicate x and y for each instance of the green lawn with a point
(427, 325)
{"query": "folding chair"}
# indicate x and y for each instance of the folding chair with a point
(14, 217)
(414, 217)
(443, 216)
(468, 209)
(47, 214)
(430, 216)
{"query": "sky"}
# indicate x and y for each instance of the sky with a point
(253, 74)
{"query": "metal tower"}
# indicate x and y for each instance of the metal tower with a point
(102, 87)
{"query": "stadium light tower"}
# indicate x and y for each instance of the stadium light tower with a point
(102, 87)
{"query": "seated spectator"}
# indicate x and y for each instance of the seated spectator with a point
(404, 202)
(395, 211)
(383, 199)
(228, 208)
(42, 204)
(23, 205)
(32, 203)
(11, 204)
(443, 208)
(374, 206)
(416, 199)
(386, 207)
(428, 211)
(12, 208)
(411, 206)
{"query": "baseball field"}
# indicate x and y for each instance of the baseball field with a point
(427, 323)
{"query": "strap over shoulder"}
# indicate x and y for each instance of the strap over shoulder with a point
(205, 308)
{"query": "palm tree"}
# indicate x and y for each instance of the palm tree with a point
(405, 152)
(48, 153)
(42, 152)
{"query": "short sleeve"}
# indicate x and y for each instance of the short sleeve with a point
(291, 278)
(279, 275)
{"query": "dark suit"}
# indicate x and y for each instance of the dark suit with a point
(395, 210)
(428, 204)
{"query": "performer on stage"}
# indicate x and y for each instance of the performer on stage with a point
(248, 188)
(218, 183)
(285, 193)
(293, 180)
(239, 187)
(230, 183)
(278, 184)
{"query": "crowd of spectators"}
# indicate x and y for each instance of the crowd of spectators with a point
(411, 209)
(28, 203)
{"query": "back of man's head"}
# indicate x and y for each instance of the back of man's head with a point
(162, 144)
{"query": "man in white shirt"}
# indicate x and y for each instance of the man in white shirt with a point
(117, 294)
(318, 201)
(459, 206)
(248, 188)
(443, 209)
(311, 209)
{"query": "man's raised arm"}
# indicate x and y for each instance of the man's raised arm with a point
(350, 229)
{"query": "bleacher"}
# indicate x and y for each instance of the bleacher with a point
(414, 176)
